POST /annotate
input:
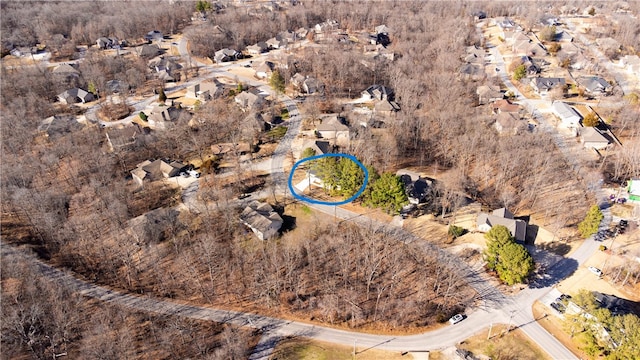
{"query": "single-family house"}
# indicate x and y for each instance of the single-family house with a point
(296, 80)
(302, 33)
(156, 170)
(107, 43)
(319, 147)
(248, 100)
(257, 48)
(386, 107)
(595, 85)
(65, 70)
(488, 94)
(377, 92)
(633, 189)
(154, 35)
(59, 125)
(333, 128)
(631, 63)
(416, 187)
(276, 43)
(148, 51)
(568, 116)
(563, 36)
(263, 69)
(473, 72)
(75, 95)
(161, 117)
(205, 91)
(124, 138)
(382, 29)
(117, 86)
(509, 123)
(507, 27)
(528, 47)
(312, 86)
(504, 106)
(504, 217)
(543, 85)
(226, 54)
(328, 25)
(261, 219)
(592, 138)
(223, 149)
(475, 54)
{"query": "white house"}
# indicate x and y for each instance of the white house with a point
(592, 138)
(569, 117)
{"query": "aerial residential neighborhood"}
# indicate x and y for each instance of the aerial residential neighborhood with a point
(285, 179)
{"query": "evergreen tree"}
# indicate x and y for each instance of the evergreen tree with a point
(350, 177)
(591, 222)
(509, 259)
(162, 97)
(307, 152)
(277, 82)
(387, 192)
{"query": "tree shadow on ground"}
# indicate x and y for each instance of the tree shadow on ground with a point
(560, 270)
(558, 248)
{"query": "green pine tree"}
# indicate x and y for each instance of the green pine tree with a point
(386, 192)
(510, 260)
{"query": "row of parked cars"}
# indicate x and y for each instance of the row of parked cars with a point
(560, 304)
(619, 229)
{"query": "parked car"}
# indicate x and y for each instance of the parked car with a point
(456, 319)
(559, 307)
(595, 270)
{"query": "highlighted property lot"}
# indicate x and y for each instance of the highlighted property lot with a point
(309, 182)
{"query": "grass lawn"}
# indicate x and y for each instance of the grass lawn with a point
(315, 350)
(514, 345)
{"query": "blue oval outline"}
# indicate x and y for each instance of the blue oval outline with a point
(336, 203)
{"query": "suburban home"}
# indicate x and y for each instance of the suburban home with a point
(563, 36)
(107, 43)
(65, 70)
(507, 27)
(75, 95)
(117, 86)
(595, 85)
(333, 128)
(386, 107)
(312, 86)
(524, 46)
(319, 147)
(475, 55)
(124, 138)
(377, 92)
(148, 51)
(504, 106)
(328, 25)
(416, 187)
(502, 216)
(509, 123)
(472, 72)
(592, 138)
(248, 100)
(166, 64)
(276, 43)
(154, 35)
(302, 33)
(257, 48)
(59, 125)
(160, 117)
(568, 116)
(156, 170)
(488, 94)
(633, 188)
(226, 54)
(297, 79)
(205, 91)
(262, 220)
(263, 69)
(223, 149)
(543, 85)
(631, 63)
(531, 67)
(382, 29)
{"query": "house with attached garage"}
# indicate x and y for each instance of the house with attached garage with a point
(502, 216)
(262, 220)
(595, 85)
(124, 138)
(416, 187)
(156, 170)
(75, 95)
(568, 116)
(334, 129)
(543, 85)
(510, 123)
(488, 94)
(60, 125)
(592, 138)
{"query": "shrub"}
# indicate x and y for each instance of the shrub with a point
(143, 116)
(591, 119)
(456, 231)
(520, 72)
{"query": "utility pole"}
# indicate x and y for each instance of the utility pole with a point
(489, 335)
(354, 347)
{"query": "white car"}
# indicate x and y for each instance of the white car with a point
(456, 319)
(595, 270)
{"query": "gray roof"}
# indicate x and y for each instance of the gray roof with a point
(546, 83)
(594, 83)
(518, 228)
(593, 135)
(564, 111)
(260, 217)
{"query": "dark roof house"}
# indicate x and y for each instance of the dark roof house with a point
(261, 219)
(502, 216)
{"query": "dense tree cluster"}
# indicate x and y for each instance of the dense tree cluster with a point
(509, 259)
(601, 332)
